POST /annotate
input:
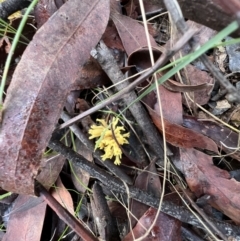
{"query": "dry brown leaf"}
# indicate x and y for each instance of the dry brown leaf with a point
(171, 105)
(179, 87)
(50, 169)
(25, 224)
(40, 85)
(111, 37)
(225, 138)
(131, 33)
(205, 178)
(166, 228)
(182, 137)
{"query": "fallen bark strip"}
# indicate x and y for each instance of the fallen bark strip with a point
(115, 184)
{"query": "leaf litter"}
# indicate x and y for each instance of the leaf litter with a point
(58, 61)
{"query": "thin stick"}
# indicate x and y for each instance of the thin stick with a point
(63, 214)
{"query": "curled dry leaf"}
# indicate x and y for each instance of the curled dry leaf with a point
(179, 87)
(40, 85)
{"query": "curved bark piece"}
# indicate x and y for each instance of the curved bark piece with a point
(39, 87)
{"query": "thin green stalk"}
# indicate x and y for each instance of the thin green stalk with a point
(5, 195)
(13, 47)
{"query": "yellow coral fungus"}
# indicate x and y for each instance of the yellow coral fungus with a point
(106, 140)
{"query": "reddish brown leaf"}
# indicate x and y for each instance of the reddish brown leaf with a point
(150, 182)
(39, 87)
(226, 139)
(231, 7)
(182, 137)
(90, 75)
(171, 105)
(131, 33)
(25, 224)
(166, 228)
(205, 178)
(111, 37)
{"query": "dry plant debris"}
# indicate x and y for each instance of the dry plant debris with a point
(112, 180)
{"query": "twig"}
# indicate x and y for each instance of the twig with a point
(9, 7)
(178, 19)
(121, 94)
(113, 183)
(62, 213)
